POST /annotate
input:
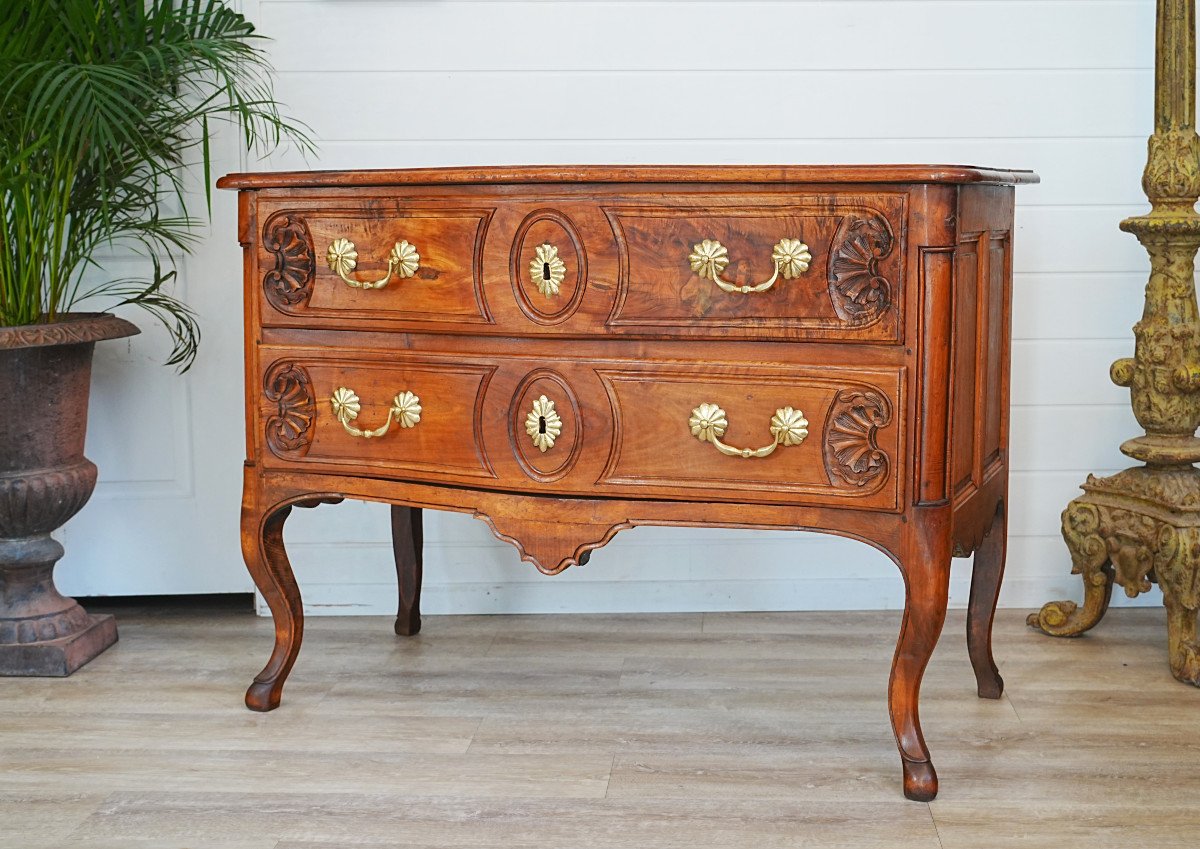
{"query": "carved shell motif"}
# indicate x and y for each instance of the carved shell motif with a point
(291, 280)
(289, 426)
(851, 455)
(859, 294)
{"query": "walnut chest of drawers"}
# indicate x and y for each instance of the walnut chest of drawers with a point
(566, 352)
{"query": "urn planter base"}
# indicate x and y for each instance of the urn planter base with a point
(44, 481)
(42, 632)
(59, 658)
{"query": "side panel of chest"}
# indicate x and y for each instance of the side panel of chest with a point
(982, 338)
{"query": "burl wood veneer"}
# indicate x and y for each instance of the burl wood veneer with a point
(566, 352)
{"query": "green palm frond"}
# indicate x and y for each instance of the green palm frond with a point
(103, 105)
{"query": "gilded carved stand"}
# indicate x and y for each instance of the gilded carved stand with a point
(1142, 525)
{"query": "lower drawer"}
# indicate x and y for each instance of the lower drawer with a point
(630, 428)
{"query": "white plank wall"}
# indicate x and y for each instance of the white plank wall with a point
(1060, 86)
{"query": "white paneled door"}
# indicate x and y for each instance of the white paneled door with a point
(164, 517)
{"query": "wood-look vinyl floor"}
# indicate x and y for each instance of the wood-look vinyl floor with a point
(750, 730)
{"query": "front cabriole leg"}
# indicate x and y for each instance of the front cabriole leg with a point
(1184, 651)
(262, 547)
(924, 561)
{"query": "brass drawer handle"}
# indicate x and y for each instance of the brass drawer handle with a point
(405, 409)
(709, 258)
(709, 422)
(342, 256)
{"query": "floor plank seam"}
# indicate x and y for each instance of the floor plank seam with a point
(77, 831)
(937, 834)
(491, 643)
(1013, 705)
(470, 749)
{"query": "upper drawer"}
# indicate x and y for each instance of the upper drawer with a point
(687, 262)
(363, 261)
(822, 266)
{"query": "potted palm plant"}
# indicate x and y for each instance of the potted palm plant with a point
(105, 103)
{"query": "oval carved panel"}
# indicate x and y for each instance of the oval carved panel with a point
(548, 268)
(547, 434)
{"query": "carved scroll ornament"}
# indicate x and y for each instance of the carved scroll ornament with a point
(851, 455)
(290, 282)
(289, 427)
(859, 294)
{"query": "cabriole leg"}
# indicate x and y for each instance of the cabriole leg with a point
(406, 546)
(986, 576)
(262, 546)
(925, 562)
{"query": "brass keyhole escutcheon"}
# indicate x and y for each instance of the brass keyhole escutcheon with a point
(547, 269)
(543, 424)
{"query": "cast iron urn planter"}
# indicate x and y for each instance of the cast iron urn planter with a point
(45, 373)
